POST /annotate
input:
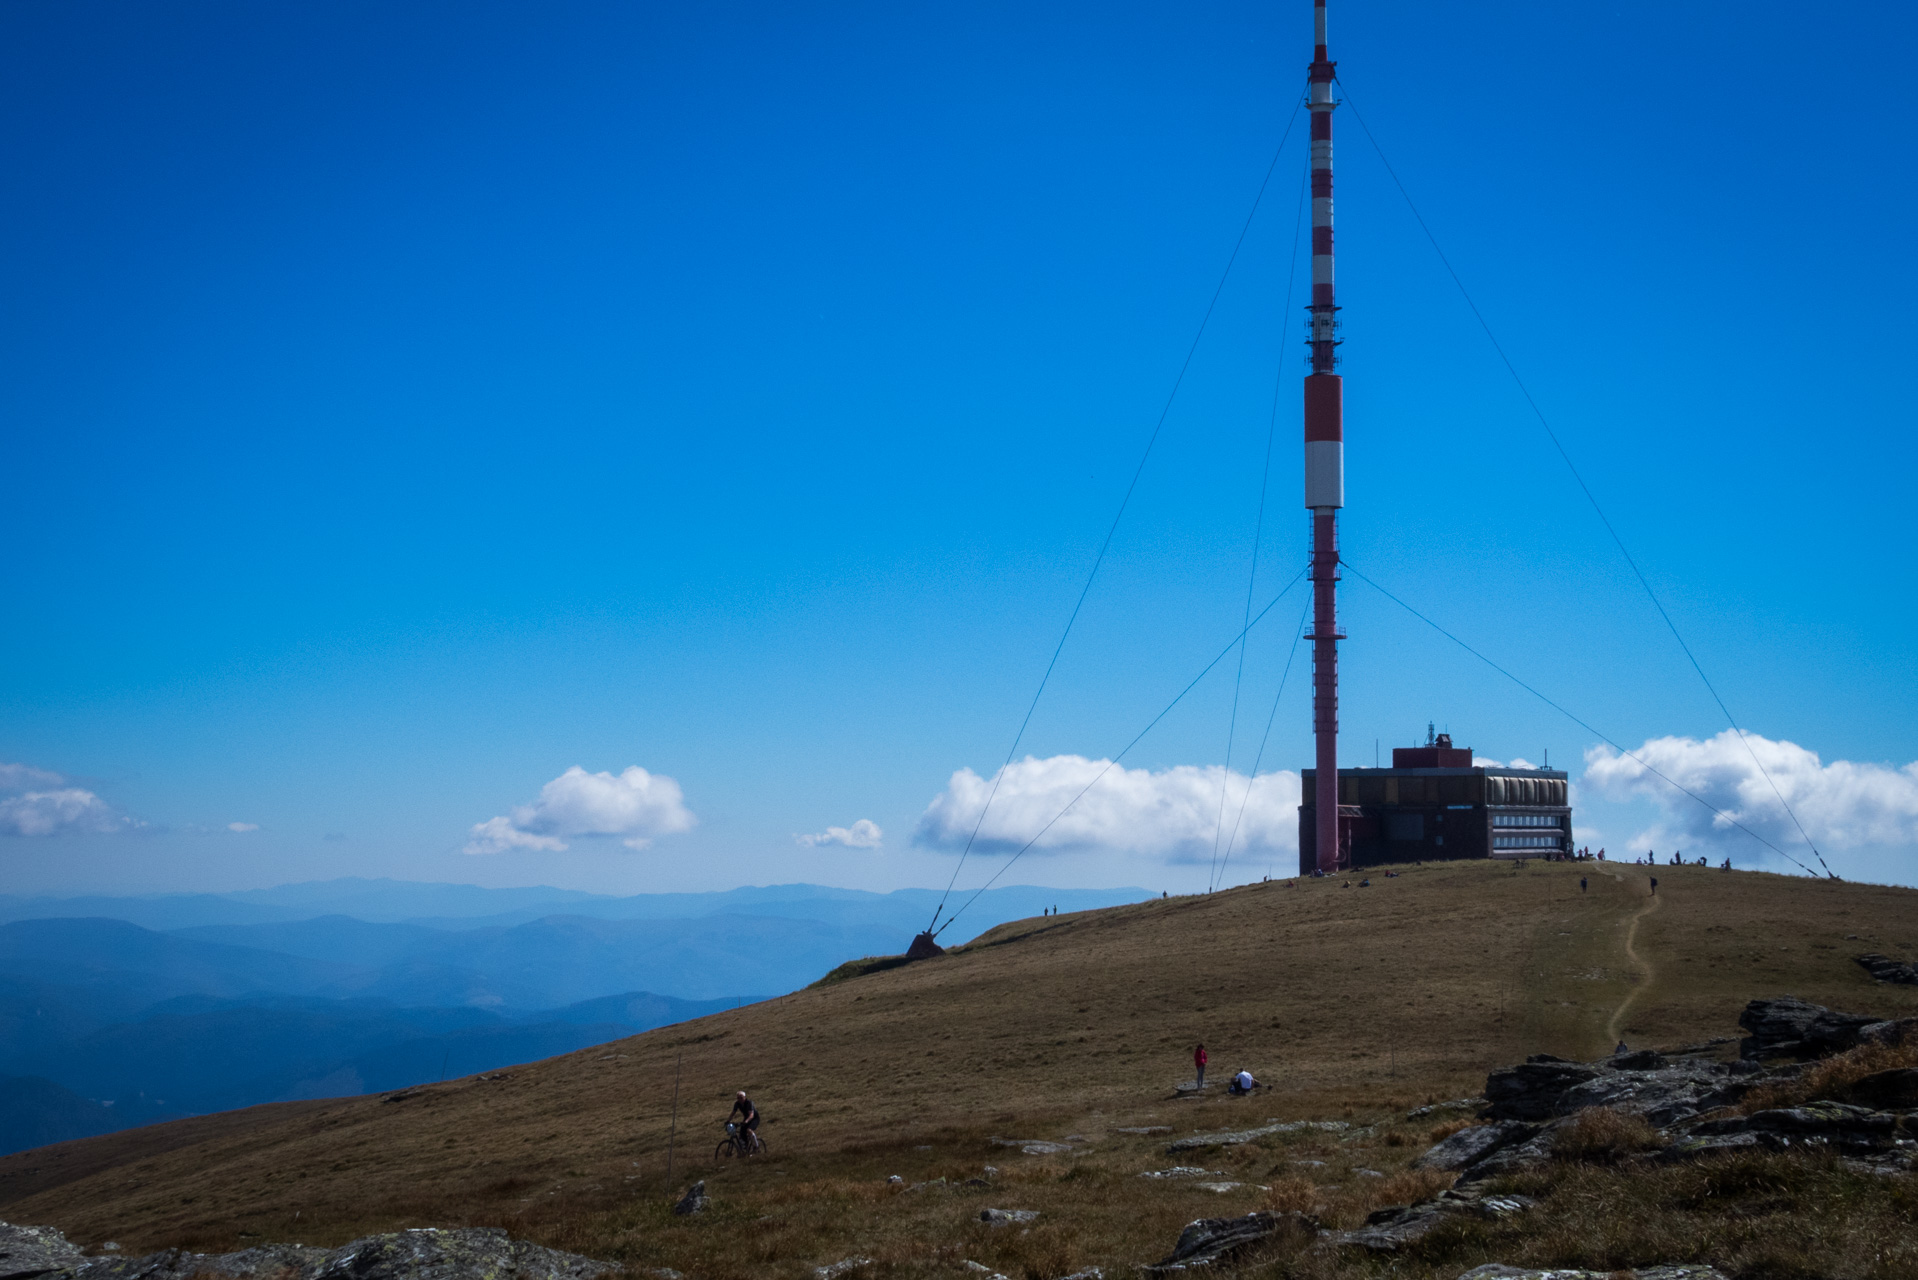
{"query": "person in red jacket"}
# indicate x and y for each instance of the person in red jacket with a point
(1198, 1060)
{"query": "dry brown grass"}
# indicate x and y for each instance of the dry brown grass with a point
(1832, 1077)
(1369, 1004)
(1440, 1132)
(1599, 1135)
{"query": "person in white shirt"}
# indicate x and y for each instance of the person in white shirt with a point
(1243, 1082)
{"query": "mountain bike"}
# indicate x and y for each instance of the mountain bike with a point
(739, 1142)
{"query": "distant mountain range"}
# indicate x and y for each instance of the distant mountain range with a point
(117, 1012)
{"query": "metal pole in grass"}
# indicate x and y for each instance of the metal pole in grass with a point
(673, 1133)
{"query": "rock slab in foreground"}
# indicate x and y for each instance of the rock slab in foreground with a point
(1391, 1229)
(426, 1253)
(1238, 1137)
(1210, 1241)
(1681, 1271)
(34, 1251)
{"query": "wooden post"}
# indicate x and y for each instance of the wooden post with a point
(674, 1131)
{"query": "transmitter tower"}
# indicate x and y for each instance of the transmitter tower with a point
(1324, 463)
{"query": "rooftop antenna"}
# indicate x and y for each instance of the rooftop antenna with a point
(1324, 458)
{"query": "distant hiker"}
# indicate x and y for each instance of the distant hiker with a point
(1582, 886)
(743, 1106)
(1242, 1084)
(1198, 1061)
(1620, 1051)
(1654, 884)
(1162, 893)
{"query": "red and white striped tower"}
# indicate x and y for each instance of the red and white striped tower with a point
(1324, 462)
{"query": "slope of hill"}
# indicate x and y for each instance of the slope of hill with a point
(1358, 1002)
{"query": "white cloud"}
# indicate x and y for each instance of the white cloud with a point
(1843, 805)
(24, 777)
(635, 805)
(242, 826)
(863, 834)
(36, 802)
(1172, 814)
(1516, 762)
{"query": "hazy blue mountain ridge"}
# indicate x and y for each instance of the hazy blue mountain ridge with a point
(120, 1011)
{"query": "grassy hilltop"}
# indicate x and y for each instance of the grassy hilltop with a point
(1358, 1004)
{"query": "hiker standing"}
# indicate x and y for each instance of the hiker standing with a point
(1654, 884)
(1199, 1060)
(1581, 884)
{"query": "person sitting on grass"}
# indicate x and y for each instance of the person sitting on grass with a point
(1242, 1084)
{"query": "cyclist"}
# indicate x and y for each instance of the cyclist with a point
(749, 1122)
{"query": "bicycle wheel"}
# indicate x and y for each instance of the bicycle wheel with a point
(723, 1150)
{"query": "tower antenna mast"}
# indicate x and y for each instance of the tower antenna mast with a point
(1324, 461)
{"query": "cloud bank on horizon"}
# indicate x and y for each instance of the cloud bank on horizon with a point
(635, 806)
(1844, 805)
(1172, 814)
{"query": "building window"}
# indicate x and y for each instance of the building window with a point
(1525, 820)
(1525, 842)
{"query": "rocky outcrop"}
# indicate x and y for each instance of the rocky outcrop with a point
(1468, 1147)
(1212, 1241)
(694, 1201)
(26, 1252)
(1872, 1122)
(1662, 1089)
(1895, 1090)
(1677, 1271)
(1885, 969)
(1788, 1028)
(1008, 1217)
(427, 1253)
(1391, 1229)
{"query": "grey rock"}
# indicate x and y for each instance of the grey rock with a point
(469, 1253)
(1007, 1217)
(1853, 1130)
(425, 1253)
(1895, 1090)
(1090, 1273)
(695, 1200)
(1532, 1090)
(1457, 1104)
(1682, 1271)
(1885, 969)
(1391, 1229)
(1792, 1028)
(1144, 1128)
(34, 1251)
(264, 1261)
(1663, 1090)
(833, 1270)
(1211, 1241)
(1183, 1171)
(1469, 1146)
(1036, 1146)
(1239, 1137)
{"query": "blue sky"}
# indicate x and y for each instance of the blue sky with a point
(404, 405)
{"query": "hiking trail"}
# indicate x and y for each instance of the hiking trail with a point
(1639, 962)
